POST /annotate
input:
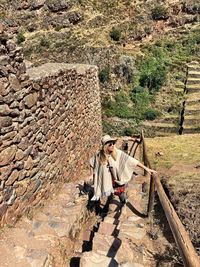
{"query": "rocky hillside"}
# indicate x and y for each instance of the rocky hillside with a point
(141, 48)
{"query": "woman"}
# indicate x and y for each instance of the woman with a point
(112, 170)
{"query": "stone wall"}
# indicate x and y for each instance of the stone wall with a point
(50, 123)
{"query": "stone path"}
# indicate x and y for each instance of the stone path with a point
(47, 238)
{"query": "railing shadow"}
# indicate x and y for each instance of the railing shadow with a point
(135, 211)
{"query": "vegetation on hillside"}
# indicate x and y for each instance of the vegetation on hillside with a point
(140, 47)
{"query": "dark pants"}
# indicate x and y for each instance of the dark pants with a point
(123, 198)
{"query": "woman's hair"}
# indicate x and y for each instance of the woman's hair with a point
(104, 153)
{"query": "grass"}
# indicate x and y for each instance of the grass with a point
(180, 149)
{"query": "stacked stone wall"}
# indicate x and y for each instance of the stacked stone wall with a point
(50, 124)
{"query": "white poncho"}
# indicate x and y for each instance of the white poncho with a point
(123, 168)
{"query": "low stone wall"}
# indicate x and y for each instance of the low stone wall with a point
(50, 124)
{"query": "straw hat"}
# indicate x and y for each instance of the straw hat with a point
(107, 138)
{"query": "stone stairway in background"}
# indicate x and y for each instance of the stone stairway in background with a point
(191, 114)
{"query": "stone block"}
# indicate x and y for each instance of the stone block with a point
(30, 100)
(7, 155)
(106, 228)
(5, 121)
(129, 230)
(14, 83)
(29, 163)
(93, 259)
(106, 245)
(4, 110)
(13, 177)
(4, 60)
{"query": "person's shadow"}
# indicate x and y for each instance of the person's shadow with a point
(87, 189)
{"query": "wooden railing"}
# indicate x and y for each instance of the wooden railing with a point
(185, 246)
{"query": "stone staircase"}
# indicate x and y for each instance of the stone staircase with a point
(122, 237)
(119, 239)
(191, 115)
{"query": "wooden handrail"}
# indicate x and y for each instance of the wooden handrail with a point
(185, 246)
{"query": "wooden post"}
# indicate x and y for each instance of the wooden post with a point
(151, 195)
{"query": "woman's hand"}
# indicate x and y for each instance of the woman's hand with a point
(150, 171)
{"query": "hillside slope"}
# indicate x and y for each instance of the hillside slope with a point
(134, 43)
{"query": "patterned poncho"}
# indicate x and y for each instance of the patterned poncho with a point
(122, 167)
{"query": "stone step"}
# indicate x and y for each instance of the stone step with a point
(191, 111)
(192, 120)
(193, 74)
(193, 96)
(106, 245)
(191, 90)
(170, 118)
(93, 259)
(191, 130)
(196, 106)
(131, 264)
(194, 88)
(193, 67)
(106, 228)
(132, 230)
(191, 81)
(111, 220)
(165, 127)
(190, 102)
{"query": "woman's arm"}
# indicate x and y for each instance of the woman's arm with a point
(150, 171)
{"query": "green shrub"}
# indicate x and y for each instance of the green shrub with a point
(115, 34)
(128, 131)
(153, 74)
(159, 12)
(140, 96)
(121, 97)
(141, 99)
(104, 75)
(20, 37)
(120, 110)
(151, 114)
(119, 107)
